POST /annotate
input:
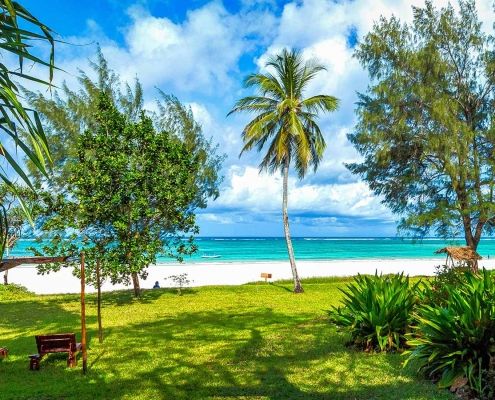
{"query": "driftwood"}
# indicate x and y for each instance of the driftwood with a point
(8, 263)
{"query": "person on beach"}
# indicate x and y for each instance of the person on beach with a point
(157, 285)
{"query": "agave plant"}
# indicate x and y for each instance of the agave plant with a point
(377, 311)
(455, 343)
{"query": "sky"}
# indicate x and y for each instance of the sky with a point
(201, 50)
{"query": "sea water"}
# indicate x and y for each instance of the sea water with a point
(246, 249)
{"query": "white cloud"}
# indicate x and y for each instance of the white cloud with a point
(262, 193)
(198, 59)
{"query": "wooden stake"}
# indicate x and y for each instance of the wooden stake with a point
(83, 316)
(98, 282)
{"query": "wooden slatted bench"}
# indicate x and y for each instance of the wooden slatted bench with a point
(56, 343)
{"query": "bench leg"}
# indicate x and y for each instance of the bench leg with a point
(34, 364)
(71, 361)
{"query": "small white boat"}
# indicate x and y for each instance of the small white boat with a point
(206, 255)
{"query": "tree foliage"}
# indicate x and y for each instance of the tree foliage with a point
(19, 29)
(425, 127)
(70, 112)
(135, 185)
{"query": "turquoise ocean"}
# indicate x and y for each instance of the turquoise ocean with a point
(230, 249)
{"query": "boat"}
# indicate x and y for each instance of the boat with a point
(206, 255)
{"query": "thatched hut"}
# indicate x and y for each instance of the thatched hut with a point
(461, 256)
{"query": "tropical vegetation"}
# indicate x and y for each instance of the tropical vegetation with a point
(425, 130)
(148, 172)
(286, 123)
(455, 344)
(19, 29)
(377, 311)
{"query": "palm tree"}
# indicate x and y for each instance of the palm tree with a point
(286, 123)
(18, 30)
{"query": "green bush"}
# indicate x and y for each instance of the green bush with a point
(377, 311)
(455, 343)
(13, 292)
(445, 276)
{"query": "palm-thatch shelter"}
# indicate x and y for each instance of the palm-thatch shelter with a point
(461, 256)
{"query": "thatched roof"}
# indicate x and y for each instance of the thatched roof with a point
(460, 253)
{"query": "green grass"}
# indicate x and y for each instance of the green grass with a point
(255, 341)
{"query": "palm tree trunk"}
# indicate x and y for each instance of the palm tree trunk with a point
(297, 283)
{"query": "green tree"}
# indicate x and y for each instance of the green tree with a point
(138, 185)
(425, 124)
(19, 29)
(287, 122)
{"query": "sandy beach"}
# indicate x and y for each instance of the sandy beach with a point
(230, 273)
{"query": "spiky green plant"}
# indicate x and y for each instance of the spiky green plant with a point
(377, 311)
(286, 122)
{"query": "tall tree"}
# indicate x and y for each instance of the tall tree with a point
(70, 114)
(19, 29)
(136, 185)
(425, 124)
(287, 122)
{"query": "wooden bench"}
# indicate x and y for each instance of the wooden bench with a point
(57, 343)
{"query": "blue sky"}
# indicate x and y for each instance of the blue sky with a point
(200, 50)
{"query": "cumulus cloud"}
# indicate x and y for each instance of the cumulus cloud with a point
(262, 194)
(202, 59)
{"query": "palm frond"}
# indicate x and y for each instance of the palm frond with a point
(283, 117)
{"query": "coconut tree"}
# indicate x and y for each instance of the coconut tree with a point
(286, 124)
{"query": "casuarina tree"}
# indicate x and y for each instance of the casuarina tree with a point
(425, 124)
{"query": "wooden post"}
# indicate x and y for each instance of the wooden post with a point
(98, 283)
(83, 317)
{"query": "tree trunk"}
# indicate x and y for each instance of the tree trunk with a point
(98, 283)
(297, 283)
(135, 282)
(6, 273)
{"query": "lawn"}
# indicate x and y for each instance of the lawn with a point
(253, 341)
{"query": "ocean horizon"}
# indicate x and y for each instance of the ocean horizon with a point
(249, 249)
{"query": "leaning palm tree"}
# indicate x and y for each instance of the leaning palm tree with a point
(19, 30)
(286, 123)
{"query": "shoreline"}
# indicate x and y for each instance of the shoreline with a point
(231, 273)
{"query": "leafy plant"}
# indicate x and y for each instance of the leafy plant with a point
(377, 311)
(19, 31)
(455, 343)
(445, 276)
(180, 281)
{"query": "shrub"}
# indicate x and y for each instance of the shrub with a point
(445, 276)
(455, 343)
(13, 291)
(377, 311)
(180, 281)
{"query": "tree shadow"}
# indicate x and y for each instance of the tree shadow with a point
(221, 353)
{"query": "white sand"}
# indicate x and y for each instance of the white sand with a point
(229, 273)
